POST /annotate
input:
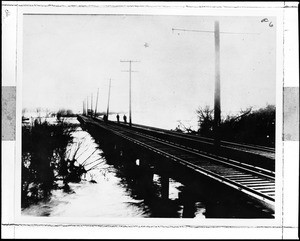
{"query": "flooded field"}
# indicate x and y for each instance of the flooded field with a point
(102, 192)
(108, 189)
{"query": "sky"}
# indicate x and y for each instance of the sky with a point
(66, 58)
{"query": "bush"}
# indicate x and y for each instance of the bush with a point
(255, 127)
(64, 113)
(205, 120)
(43, 148)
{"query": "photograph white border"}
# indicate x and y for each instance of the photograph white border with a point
(176, 8)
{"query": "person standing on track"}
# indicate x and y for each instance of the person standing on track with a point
(118, 118)
(125, 119)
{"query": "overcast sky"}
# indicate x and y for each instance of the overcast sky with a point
(68, 57)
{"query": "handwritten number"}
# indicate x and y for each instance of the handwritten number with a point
(7, 13)
(267, 20)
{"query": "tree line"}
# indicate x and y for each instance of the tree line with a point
(253, 127)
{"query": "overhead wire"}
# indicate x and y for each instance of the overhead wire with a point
(208, 31)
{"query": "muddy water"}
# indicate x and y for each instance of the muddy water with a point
(102, 191)
(108, 190)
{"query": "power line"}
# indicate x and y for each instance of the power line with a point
(217, 96)
(208, 31)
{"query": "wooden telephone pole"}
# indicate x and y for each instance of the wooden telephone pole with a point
(107, 111)
(217, 95)
(217, 102)
(96, 104)
(129, 61)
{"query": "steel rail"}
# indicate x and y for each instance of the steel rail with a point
(250, 190)
(258, 194)
(257, 171)
(253, 167)
(228, 144)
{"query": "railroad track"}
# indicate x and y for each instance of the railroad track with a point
(256, 182)
(210, 141)
(236, 151)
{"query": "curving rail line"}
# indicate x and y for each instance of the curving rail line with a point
(246, 147)
(247, 154)
(256, 182)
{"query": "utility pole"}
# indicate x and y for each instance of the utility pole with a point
(217, 95)
(96, 103)
(217, 101)
(107, 112)
(92, 104)
(83, 108)
(87, 105)
(217, 104)
(130, 61)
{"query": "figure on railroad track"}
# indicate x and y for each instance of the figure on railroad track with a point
(125, 119)
(118, 118)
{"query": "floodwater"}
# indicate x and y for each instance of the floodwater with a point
(103, 191)
(109, 190)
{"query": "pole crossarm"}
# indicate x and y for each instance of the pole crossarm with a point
(208, 31)
(136, 61)
(132, 71)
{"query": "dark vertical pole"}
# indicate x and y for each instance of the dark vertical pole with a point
(217, 104)
(87, 105)
(92, 104)
(96, 103)
(130, 61)
(108, 99)
(129, 93)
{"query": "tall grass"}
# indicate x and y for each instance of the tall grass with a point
(43, 155)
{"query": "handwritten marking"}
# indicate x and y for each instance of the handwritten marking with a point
(7, 12)
(265, 20)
